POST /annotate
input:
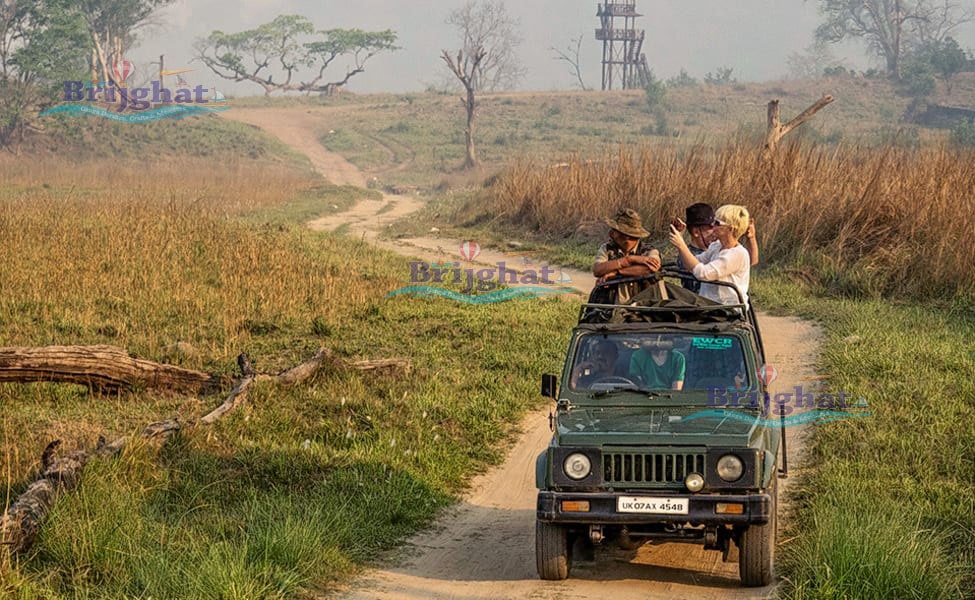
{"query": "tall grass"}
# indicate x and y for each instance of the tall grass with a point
(300, 486)
(865, 221)
(886, 505)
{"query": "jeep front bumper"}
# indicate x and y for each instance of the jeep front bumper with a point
(701, 509)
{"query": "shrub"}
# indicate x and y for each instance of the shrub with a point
(721, 76)
(681, 80)
(656, 91)
(963, 135)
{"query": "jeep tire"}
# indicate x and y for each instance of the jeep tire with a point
(551, 551)
(756, 546)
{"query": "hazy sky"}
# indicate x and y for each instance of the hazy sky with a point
(755, 37)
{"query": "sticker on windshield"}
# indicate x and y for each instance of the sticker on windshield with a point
(712, 343)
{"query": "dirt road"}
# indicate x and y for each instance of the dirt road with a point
(484, 547)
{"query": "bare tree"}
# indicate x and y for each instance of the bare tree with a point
(485, 26)
(572, 57)
(465, 68)
(112, 26)
(890, 27)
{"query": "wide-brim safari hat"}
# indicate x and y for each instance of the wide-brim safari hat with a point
(628, 222)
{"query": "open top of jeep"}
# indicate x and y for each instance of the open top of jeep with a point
(647, 445)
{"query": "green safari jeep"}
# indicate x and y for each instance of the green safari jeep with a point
(658, 434)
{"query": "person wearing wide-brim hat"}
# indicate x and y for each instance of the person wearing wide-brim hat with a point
(626, 254)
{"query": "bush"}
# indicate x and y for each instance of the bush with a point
(681, 80)
(721, 76)
(656, 91)
(963, 135)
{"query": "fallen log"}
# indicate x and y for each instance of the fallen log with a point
(102, 368)
(21, 521)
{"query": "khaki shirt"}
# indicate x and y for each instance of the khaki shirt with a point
(610, 251)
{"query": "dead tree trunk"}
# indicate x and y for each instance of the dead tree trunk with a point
(103, 368)
(22, 520)
(467, 69)
(776, 131)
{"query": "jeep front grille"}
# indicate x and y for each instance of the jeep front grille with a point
(629, 467)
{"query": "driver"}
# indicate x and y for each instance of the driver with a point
(600, 366)
(658, 366)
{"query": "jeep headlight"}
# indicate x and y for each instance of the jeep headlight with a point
(730, 468)
(694, 482)
(577, 466)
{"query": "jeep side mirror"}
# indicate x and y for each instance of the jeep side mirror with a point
(550, 386)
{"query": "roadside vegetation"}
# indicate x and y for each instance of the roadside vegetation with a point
(860, 230)
(886, 508)
(869, 243)
(191, 264)
(194, 261)
(81, 139)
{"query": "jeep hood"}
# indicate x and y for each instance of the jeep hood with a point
(587, 426)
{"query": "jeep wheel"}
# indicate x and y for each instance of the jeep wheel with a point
(551, 551)
(756, 546)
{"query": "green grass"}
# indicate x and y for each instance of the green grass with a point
(315, 202)
(299, 487)
(302, 485)
(91, 138)
(888, 507)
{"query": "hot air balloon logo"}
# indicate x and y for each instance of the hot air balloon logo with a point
(470, 251)
(122, 70)
(767, 374)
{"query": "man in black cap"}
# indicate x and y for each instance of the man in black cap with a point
(699, 222)
(626, 255)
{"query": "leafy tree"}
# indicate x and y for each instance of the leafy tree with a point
(112, 26)
(890, 28)
(946, 59)
(39, 44)
(917, 78)
(287, 46)
(486, 25)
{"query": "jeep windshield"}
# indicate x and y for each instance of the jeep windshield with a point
(655, 363)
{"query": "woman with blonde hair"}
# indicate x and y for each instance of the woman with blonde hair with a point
(724, 260)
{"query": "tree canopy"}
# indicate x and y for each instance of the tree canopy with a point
(39, 44)
(275, 54)
(890, 28)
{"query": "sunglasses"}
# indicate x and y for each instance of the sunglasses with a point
(717, 223)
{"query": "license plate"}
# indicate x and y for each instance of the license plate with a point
(655, 506)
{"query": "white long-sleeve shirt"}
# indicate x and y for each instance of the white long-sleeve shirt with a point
(732, 265)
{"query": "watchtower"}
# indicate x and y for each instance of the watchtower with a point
(624, 63)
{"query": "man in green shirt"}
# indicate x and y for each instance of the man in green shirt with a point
(658, 366)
